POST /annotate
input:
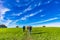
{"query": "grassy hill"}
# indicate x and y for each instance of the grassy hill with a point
(46, 33)
(39, 33)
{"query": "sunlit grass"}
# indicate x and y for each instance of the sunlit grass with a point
(46, 33)
(38, 33)
(11, 34)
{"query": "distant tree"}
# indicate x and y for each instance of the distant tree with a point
(44, 26)
(17, 26)
(3, 26)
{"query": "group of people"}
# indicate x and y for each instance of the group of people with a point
(29, 28)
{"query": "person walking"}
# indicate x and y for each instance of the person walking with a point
(30, 29)
(23, 28)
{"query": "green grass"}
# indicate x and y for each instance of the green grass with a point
(47, 33)
(11, 34)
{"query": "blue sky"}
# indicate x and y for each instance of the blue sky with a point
(30, 12)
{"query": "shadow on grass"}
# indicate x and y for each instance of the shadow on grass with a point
(38, 32)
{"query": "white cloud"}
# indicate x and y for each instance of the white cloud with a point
(6, 22)
(12, 26)
(53, 24)
(30, 15)
(16, 14)
(27, 16)
(9, 23)
(48, 2)
(42, 15)
(23, 18)
(3, 10)
(39, 4)
(56, 24)
(51, 19)
(28, 9)
(33, 14)
(31, 7)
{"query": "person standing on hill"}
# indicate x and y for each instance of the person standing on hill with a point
(30, 29)
(23, 28)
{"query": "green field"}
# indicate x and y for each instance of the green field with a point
(47, 33)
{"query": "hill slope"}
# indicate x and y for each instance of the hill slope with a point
(36, 34)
